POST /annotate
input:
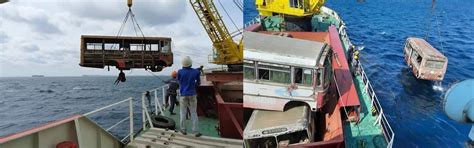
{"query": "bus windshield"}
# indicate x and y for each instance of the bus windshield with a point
(434, 64)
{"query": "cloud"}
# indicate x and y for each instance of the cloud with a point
(147, 12)
(30, 48)
(3, 38)
(37, 19)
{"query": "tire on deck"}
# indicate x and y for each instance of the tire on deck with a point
(163, 122)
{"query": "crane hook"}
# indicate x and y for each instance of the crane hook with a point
(129, 3)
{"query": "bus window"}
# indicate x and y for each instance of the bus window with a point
(249, 70)
(303, 76)
(434, 64)
(416, 58)
(274, 72)
(298, 73)
(263, 74)
(307, 77)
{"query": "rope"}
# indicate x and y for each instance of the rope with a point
(122, 26)
(154, 75)
(239, 4)
(428, 21)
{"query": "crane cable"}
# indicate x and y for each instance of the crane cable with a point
(223, 8)
(433, 13)
(441, 41)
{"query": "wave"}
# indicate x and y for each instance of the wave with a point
(85, 88)
(46, 91)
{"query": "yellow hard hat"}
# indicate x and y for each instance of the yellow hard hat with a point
(356, 57)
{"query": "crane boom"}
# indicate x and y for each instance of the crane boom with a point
(226, 51)
(289, 7)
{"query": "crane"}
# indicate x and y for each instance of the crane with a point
(225, 50)
(289, 7)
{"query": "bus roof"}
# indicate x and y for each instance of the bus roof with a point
(282, 50)
(425, 49)
(275, 122)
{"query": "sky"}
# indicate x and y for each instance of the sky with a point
(43, 37)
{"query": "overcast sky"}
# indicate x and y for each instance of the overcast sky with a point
(42, 38)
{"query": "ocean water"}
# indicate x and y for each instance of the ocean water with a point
(27, 102)
(413, 107)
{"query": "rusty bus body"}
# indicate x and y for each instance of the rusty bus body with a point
(426, 62)
(126, 52)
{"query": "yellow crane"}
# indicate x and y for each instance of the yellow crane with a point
(226, 50)
(289, 7)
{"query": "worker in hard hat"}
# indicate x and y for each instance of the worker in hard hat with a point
(189, 79)
(171, 93)
(355, 63)
(350, 53)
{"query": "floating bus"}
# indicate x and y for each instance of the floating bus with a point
(426, 62)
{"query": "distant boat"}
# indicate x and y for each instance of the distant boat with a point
(37, 76)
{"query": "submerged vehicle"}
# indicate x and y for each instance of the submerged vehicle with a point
(426, 62)
(306, 50)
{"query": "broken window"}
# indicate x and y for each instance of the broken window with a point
(303, 76)
(416, 58)
(274, 72)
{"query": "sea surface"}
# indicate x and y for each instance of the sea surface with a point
(27, 102)
(413, 107)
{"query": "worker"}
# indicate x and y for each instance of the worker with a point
(171, 92)
(120, 78)
(351, 52)
(201, 69)
(188, 79)
(355, 63)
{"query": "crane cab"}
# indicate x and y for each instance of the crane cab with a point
(426, 62)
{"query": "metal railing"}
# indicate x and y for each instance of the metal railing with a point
(381, 119)
(157, 105)
(255, 20)
(130, 117)
(146, 117)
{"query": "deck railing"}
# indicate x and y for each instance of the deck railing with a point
(157, 105)
(255, 20)
(381, 119)
(130, 117)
